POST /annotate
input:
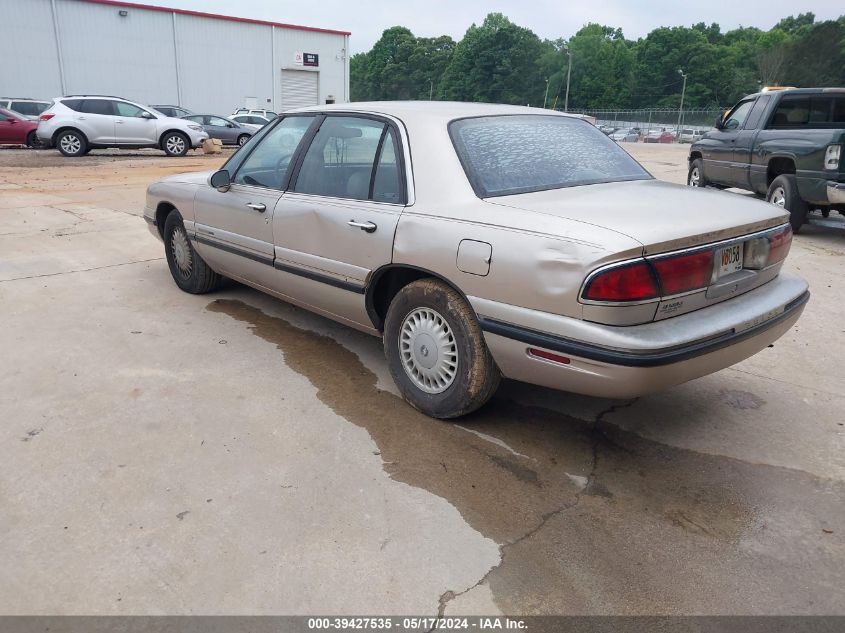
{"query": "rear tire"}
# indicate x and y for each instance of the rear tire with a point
(436, 352)
(32, 140)
(175, 144)
(695, 175)
(783, 192)
(72, 143)
(189, 270)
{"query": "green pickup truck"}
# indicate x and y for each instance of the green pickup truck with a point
(783, 144)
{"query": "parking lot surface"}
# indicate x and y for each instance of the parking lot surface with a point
(229, 453)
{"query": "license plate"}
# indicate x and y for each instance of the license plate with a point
(728, 260)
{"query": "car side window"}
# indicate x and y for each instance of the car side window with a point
(387, 185)
(339, 163)
(268, 164)
(216, 120)
(97, 106)
(128, 110)
(737, 117)
(838, 115)
(753, 120)
(3, 117)
(791, 113)
(195, 119)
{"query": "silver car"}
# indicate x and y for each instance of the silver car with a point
(77, 124)
(482, 241)
(228, 131)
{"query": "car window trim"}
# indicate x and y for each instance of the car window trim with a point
(400, 157)
(263, 132)
(376, 161)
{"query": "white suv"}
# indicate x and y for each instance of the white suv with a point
(79, 123)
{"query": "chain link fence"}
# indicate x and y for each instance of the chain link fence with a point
(655, 125)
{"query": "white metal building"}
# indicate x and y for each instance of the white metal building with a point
(156, 55)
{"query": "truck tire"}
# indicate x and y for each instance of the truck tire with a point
(783, 192)
(695, 175)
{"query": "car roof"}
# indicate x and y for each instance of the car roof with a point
(798, 91)
(446, 110)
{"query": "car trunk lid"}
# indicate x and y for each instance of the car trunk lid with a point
(661, 216)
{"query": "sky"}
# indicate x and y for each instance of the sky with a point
(549, 19)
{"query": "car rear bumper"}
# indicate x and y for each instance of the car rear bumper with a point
(835, 192)
(624, 362)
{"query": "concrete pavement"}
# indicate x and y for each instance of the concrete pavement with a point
(229, 453)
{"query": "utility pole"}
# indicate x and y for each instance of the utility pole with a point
(568, 74)
(430, 88)
(681, 110)
(546, 98)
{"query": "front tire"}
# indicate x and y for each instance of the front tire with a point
(72, 143)
(175, 144)
(242, 139)
(189, 270)
(695, 175)
(436, 352)
(783, 192)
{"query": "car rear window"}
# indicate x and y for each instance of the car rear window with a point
(817, 111)
(510, 154)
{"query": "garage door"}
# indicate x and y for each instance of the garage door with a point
(300, 88)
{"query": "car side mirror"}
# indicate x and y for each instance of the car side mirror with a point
(718, 124)
(147, 115)
(231, 125)
(220, 180)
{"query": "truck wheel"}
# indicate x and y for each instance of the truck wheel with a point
(783, 192)
(436, 352)
(695, 176)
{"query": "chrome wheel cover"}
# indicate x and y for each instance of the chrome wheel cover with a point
(778, 197)
(71, 144)
(428, 350)
(181, 249)
(175, 144)
(694, 178)
(242, 141)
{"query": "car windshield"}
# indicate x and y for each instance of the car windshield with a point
(505, 155)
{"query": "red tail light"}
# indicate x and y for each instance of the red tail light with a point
(46, 117)
(634, 282)
(684, 272)
(779, 245)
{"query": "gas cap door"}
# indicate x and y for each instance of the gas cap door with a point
(474, 257)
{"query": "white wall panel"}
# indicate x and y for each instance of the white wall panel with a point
(105, 53)
(220, 62)
(29, 66)
(333, 65)
(223, 62)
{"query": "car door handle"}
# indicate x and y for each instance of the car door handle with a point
(257, 206)
(118, 122)
(369, 227)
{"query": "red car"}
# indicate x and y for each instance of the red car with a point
(17, 130)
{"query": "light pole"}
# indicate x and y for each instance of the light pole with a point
(546, 98)
(568, 74)
(430, 88)
(681, 111)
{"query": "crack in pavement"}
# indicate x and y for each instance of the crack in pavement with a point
(81, 270)
(596, 436)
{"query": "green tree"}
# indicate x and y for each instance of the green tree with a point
(496, 62)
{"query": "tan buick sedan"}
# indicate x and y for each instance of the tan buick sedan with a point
(483, 241)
